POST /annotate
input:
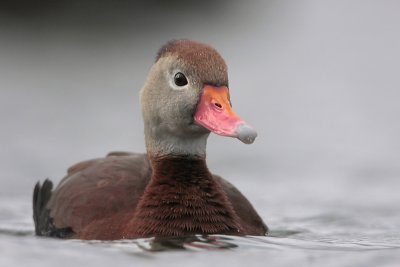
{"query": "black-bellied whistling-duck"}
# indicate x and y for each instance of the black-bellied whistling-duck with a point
(169, 191)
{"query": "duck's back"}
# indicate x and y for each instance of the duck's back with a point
(92, 190)
(98, 197)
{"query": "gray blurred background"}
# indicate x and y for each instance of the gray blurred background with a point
(319, 80)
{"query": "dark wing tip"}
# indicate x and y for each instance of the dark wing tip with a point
(41, 215)
(41, 195)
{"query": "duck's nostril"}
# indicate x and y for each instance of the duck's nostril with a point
(218, 105)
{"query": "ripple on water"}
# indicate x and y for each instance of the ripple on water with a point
(279, 239)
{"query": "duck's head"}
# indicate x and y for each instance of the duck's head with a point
(185, 97)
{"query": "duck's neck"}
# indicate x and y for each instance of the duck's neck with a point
(162, 141)
(183, 198)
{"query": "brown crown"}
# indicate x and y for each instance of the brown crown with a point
(202, 60)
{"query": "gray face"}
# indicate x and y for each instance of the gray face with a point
(168, 110)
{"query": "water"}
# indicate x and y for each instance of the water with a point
(305, 234)
(317, 79)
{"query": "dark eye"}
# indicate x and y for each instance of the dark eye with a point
(180, 79)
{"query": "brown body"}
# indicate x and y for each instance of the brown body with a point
(113, 198)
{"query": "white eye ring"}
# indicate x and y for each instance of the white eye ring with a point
(178, 80)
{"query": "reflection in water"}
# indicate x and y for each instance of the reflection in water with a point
(223, 242)
(195, 242)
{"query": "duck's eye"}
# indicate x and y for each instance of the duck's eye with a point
(180, 79)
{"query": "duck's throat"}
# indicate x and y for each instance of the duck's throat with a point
(162, 142)
(182, 199)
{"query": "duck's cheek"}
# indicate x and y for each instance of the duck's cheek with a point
(214, 113)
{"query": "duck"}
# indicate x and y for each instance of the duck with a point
(169, 190)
